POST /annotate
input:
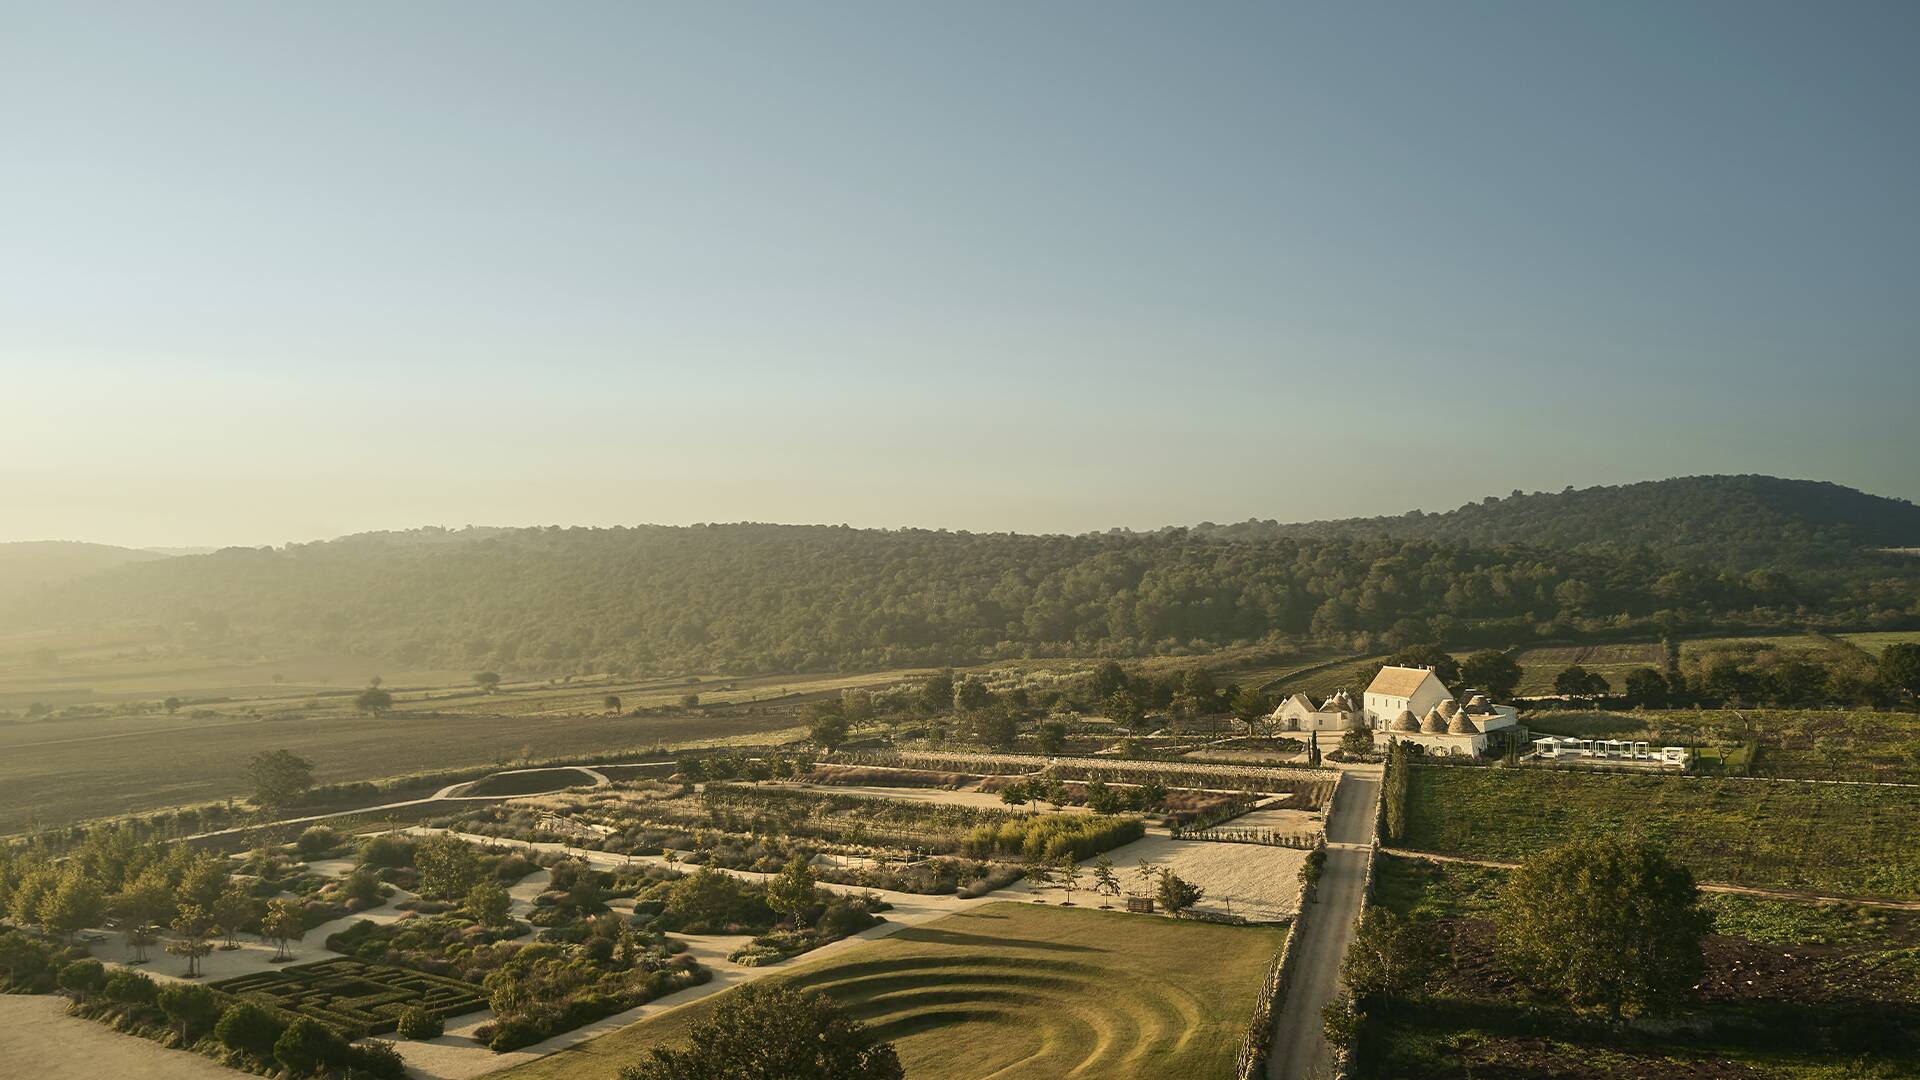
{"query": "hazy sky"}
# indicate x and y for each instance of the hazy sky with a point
(274, 272)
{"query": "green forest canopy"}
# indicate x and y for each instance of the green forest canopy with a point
(755, 597)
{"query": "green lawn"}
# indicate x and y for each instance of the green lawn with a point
(1017, 991)
(1850, 840)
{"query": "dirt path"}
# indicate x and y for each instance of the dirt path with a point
(1299, 1042)
(1705, 886)
(38, 1040)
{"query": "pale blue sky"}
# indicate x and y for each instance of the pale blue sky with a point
(273, 272)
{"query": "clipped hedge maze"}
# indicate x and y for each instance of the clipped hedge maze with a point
(354, 998)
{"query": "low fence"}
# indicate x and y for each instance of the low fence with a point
(1257, 1043)
(1268, 837)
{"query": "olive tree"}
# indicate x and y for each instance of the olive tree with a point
(1612, 925)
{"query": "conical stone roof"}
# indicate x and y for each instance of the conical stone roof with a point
(1434, 724)
(1461, 725)
(1406, 721)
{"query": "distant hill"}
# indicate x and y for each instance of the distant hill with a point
(35, 564)
(1707, 522)
(1646, 559)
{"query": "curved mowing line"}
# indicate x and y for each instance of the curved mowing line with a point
(876, 985)
(1050, 1039)
(919, 963)
(900, 1027)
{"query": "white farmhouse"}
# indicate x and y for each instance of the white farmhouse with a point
(1412, 705)
(1403, 689)
(1298, 713)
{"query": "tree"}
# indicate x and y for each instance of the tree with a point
(1052, 737)
(1069, 874)
(487, 680)
(189, 1007)
(1356, 741)
(1250, 707)
(1148, 873)
(278, 778)
(1015, 793)
(1608, 924)
(830, 728)
(936, 695)
(762, 1031)
(1647, 686)
(448, 867)
(971, 695)
(1056, 794)
(1105, 881)
(1577, 682)
(1444, 666)
(1493, 671)
(1124, 709)
(612, 703)
(792, 891)
(172, 705)
(1108, 679)
(232, 914)
(282, 924)
(1900, 668)
(1392, 955)
(1039, 872)
(373, 700)
(689, 701)
(1178, 894)
(996, 727)
(489, 904)
(73, 904)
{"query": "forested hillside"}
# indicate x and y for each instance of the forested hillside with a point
(1736, 523)
(36, 564)
(779, 598)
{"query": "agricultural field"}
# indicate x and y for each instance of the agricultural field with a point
(1845, 840)
(1800, 744)
(1318, 681)
(1538, 666)
(55, 773)
(1797, 991)
(1874, 642)
(1013, 991)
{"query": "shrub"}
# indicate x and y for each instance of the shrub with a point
(129, 988)
(308, 1045)
(417, 1023)
(378, 1059)
(362, 888)
(844, 915)
(316, 840)
(386, 851)
(83, 978)
(250, 1027)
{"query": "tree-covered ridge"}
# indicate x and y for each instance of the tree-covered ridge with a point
(1722, 522)
(753, 597)
(29, 564)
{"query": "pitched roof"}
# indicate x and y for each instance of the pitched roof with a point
(1398, 681)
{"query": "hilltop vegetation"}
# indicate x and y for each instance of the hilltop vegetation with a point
(31, 565)
(753, 597)
(1739, 523)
